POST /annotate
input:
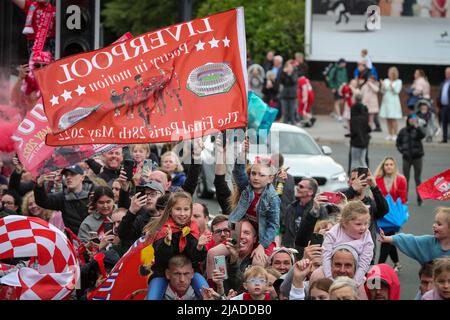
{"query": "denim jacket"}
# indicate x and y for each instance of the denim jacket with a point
(267, 208)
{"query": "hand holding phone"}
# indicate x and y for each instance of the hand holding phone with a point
(108, 226)
(147, 167)
(128, 168)
(221, 264)
(363, 171)
(316, 238)
(332, 197)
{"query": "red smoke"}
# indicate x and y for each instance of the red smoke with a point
(7, 130)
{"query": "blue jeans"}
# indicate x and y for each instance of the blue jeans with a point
(158, 286)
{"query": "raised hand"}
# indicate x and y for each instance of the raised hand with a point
(168, 237)
(123, 181)
(106, 239)
(384, 238)
(370, 179)
(203, 240)
(259, 256)
(137, 202)
(233, 249)
(312, 251)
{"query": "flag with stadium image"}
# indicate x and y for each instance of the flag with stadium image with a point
(179, 82)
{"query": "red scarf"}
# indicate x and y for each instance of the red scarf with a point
(37, 55)
(247, 296)
(41, 36)
(193, 230)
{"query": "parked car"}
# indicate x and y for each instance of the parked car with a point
(301, 154)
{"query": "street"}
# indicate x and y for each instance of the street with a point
(421, 218)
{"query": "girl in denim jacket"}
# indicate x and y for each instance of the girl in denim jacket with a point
(258, 202)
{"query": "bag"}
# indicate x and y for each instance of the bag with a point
(326, 72)
(412, 99)
(396, 217)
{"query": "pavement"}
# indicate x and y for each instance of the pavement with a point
(329, 130)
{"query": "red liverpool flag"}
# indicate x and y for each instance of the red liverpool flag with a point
(437, 188)
(179, 82)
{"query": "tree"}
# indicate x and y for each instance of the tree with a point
(140, 16)
(269, 24)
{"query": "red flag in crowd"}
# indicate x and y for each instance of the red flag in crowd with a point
(129, 278)
(53, 269)
(176, 82)
(437, 188)
(36, 156)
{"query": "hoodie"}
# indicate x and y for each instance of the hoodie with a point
(359, 126)
(409, 141)
(386, 274)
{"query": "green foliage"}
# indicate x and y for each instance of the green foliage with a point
(140, 16)
(269, 24)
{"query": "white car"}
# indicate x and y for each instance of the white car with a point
(301, 154)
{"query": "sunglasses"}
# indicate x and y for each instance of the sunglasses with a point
(257, 281)
(39, 65)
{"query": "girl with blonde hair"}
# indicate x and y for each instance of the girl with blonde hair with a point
(391, 108)
(391, 182)
(171, 164)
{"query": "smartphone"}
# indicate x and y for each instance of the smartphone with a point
(107, 226)
(234, 235)
(93, 236)
(363, 171)
(332, 197)
(128, 166)
(140, 189)
(316, 238)
(148, 165)
(221, 264)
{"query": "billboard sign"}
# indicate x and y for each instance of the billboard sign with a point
(409, 32)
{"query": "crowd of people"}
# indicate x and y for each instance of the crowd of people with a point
(266, 243)
(284, 85)
(255, 248)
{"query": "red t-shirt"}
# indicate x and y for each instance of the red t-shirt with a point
(251, 212)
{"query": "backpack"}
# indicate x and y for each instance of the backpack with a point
(326, 72)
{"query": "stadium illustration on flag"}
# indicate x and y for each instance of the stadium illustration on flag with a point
(211, 78)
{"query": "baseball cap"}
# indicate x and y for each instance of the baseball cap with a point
(341, 60)
(74, 169)
(154, 185)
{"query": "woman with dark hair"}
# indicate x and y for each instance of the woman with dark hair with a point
(101, 206)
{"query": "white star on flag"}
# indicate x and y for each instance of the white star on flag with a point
(66, 95)
(54, 100)
(81, 90)
(214, 43)
(200, 45)
(226, 42)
